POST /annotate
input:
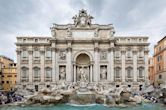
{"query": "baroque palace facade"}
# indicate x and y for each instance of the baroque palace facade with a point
(82, 52)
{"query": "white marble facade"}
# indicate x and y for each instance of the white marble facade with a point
(82, 52)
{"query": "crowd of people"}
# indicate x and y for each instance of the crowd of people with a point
(9, 97)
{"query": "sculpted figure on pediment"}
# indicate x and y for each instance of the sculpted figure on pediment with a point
(82, 19)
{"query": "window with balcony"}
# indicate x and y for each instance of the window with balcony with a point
(140, 72)
(159, 58)
(48, 74)
(24, 74)
(36, 73)
(129, 71)
(117, 72)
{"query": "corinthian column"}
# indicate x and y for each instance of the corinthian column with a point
(30, 65)
(146, 67)
(18, 66)
(135, 65)
(96, 66)
(123, 66)
(42, 64)
(112, 64)
(69, 66)
(53, 65)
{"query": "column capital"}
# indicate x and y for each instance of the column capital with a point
(96, 49)
(54, 49)
(135, 51)
(123, 51)
(111, 49)
(146, 52)
(42, 51)
(30, 51)
(18, 51)
(69, 49)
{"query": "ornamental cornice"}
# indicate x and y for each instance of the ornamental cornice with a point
(111, 49)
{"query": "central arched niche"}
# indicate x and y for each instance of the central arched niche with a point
(83, 67)
(83, 59)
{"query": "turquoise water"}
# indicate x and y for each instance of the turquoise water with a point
(93, 107)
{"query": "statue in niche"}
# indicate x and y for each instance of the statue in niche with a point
(62, 55)
(103, 56)
(82, 74)
(62, 73)
(103, 72)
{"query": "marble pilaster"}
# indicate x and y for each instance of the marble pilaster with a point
(135, 65)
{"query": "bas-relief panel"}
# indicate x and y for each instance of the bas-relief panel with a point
(83, 46)
(81, 34)
(61, 33)
(104, 46)
(104, 34)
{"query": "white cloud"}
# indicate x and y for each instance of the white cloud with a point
(29, 17)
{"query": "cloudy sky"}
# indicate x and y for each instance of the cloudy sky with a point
(35, 17)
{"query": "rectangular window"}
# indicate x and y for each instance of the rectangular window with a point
(160, 76)
(36, 54)
(24, 54)
(48, 54)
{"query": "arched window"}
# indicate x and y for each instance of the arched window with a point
(24, 74)
(140, 72)
(129, 71)
(36, 72)
(117, 72)
(48, 72)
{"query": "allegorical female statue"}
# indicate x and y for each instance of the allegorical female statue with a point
(82, 75)
(62, 73)
(103, 73)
